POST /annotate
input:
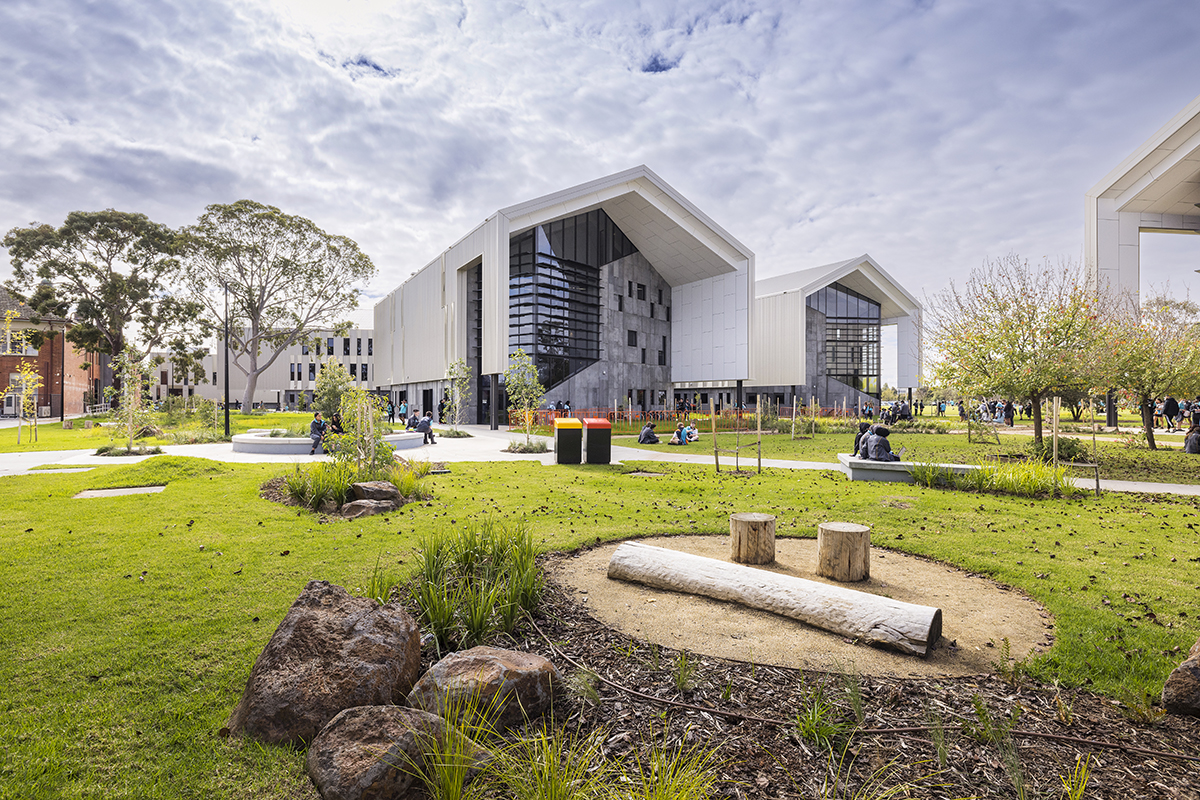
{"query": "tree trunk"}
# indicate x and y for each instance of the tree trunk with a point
(248, 395)
(1147, 420)
(843, 551)
(1037, 417)
(906, 627)
(752, 538)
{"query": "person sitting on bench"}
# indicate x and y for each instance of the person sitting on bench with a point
(860, 438)
(879, 447)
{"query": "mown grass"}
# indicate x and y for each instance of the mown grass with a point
(51, 435)
(1117, 462)
(126, 645)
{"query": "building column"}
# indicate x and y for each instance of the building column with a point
(493, 397)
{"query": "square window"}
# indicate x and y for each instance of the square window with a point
(329, 346)
(652, 311)
(643, 355)
(620, 302)
(668, 313)
(292, 372)
(631, 288)
(370, 346)
(660, 297)
(303, 349)
(358, 346)
(312, 372)
(632, 339)
(362, 371)
(662, 358)
(346, 346)
(354, 371)
(641, 291)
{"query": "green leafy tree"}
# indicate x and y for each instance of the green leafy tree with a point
(1154, 353)
(1018, 332)
(115, 270)
(524, 390)
(131, 412)
(287, 280)
(362, 445)
(333, 381)
(459, 376)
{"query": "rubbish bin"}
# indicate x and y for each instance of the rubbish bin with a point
(568, 440)
(597, 440)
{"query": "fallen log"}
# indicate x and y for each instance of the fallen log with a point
(879, 620)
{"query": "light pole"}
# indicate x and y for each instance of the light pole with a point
(226, 285)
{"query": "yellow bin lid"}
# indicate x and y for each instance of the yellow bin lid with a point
(567, 422)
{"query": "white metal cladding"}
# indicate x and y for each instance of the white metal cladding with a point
(710, 272)
(422, 326)
(776, 364)
(1154, 190)
(779, 342)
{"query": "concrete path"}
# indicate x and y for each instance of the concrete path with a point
(486, 445)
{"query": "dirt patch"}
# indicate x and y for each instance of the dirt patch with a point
(977, 613)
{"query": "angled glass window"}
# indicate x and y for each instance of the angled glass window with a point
(852, 353)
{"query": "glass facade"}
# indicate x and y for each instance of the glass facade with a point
(554, 291)
(851, 336)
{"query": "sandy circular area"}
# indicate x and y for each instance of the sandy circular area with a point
(975, 611)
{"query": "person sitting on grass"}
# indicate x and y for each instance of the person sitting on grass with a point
(316, 432)
(1191, 440)
(693, 435)
(648, 436)
(679, 437)
(879, 447)
(425, 426)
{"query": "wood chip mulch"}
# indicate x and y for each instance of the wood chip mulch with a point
(766, 760)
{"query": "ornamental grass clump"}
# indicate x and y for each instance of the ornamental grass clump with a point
(475, 581)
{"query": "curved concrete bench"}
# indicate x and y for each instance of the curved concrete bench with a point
(862, 469)
(263, 442)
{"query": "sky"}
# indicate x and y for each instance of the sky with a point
(931, 135)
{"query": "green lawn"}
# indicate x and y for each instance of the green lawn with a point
(126, 645)
(1117, 461)
(51, 435)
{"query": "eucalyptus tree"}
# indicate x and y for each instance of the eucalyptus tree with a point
(286, 279)
(115, 272)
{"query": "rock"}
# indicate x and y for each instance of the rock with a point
(331, 652)
(377, 490)
(367, 508)
(1181, 694)
(328, 507)
(370, 752)
(520, 685)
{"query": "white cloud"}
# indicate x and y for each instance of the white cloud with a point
(929, 134)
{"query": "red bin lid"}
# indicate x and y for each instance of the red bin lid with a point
(595, 422)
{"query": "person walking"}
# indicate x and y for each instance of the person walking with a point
(391, 411)
(425, 426)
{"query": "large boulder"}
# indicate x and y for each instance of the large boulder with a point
(377, 490)
(331, 652)
(514, 686)
(370, 752)
(367, 508)
(1181, 694)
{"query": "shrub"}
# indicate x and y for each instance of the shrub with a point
(312, 486)
(527, 447)
(1069, 449)
(476, 580)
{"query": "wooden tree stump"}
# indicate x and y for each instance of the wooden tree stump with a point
(87, 423)
(68, 424)
(752, 538)
(843, 551)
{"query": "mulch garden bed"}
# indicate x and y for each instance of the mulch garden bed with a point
(747, 712)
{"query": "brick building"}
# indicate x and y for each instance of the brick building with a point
(85, 374)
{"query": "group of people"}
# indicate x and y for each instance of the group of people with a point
(422, 425)
(1175, 415)
(871, 443)
(683, 434)
(318, 429)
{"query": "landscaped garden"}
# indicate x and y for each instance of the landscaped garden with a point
(131, 625)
